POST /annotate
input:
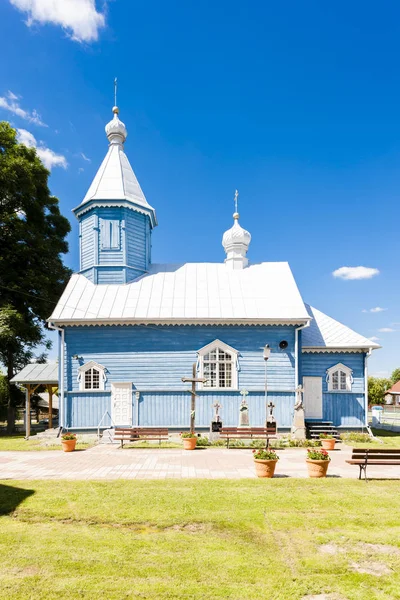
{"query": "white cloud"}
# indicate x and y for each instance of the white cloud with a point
(386, 330)
(78, 17)
(355, 272)
(49, 158)
(374, 338)
(377, 309)
(11, 103)
(85, 157)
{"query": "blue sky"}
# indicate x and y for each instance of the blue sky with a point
(295, 104)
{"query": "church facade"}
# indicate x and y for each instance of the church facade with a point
(129, 329)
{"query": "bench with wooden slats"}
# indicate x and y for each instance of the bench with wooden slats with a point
(373, 456)
(248, 433)
(141, 434)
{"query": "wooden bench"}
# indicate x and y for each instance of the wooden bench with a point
(248, 433)
(139, 434)
(373, 456)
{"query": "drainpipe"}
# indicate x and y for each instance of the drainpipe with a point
(62, 360)
(296, 352)
(367, 355)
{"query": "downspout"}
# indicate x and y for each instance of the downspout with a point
(62, 385)
(296, 352)
(367, 355)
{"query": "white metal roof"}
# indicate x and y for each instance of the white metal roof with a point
(325, 332)
(37, 373)
(188, 293)
(115, 180)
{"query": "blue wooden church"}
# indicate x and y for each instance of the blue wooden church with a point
(130, 329)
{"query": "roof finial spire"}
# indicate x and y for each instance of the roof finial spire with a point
(115, 108)
(236, 214)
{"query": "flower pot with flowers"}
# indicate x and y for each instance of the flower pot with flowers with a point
(327, 441)
(189, 440)
(317, 462)
(68, 442)
(265, 462)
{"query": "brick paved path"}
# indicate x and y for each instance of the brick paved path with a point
(109, 462)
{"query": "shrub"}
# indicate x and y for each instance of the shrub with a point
(355, 436)
(218, 443)
(304, 443)
(203, 441)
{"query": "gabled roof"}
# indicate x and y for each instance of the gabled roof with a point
(325, 332)
(189, 293)
(395, 389)
(36, 373)
(115, 181)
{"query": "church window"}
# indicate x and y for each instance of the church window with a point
(339, 378)
(109, 234)
(91, 377)
(218, 365)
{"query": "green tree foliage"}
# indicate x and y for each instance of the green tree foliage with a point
(395, 377)
(32, 274)
(377, 388)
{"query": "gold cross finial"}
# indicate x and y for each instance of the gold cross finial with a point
(115, 108)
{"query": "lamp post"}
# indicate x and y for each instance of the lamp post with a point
(266, 355)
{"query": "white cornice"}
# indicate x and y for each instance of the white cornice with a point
(209, 322)
(324, 349)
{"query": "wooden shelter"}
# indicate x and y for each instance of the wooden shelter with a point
(32, 377)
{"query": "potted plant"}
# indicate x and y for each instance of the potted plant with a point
(265, 461)
(317, 462)
(189, 440)
(68, 442)
(327, 441)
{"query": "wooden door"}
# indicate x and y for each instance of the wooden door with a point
(121, 403)
(312, 397)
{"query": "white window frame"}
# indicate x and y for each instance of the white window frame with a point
(82, 372)
(339, 367)
(235, 365)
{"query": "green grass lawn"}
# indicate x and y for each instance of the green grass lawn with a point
(277, 539)
(388, 439)
(18, 442)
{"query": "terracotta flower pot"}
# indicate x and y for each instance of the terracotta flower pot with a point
(328, 444)
(317, 468)
(265, 468)
(189, 443)
(68, 445)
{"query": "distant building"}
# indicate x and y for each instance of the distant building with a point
(130, 329)
(392, 396)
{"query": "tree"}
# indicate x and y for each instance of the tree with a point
(377, 388)
(395, 377)
(32, 274)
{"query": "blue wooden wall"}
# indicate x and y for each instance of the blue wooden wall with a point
(115, 265)
(344, 409)
(157, 357)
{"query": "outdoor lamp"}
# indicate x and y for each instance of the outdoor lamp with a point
(266, 352)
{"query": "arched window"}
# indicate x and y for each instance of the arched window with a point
(339, 378)
(218, 364)
(91, 377)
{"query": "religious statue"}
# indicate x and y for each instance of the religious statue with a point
(244, 410)
(299, 427)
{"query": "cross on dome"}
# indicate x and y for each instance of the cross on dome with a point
(236, 241)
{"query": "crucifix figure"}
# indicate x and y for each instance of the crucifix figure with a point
(271, 408)
(193, 380)
(217, 406)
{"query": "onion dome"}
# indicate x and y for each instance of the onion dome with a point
(115, 129)
(236, 243)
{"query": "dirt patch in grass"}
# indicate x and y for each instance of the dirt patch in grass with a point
(324, 597)
(331, 549)
(379, 548)
(371, 568)
(21, 572)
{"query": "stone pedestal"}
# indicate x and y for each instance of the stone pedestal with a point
(298, 430)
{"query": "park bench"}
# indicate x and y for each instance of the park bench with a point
(373, 456)
(139, 434)
(248, 433)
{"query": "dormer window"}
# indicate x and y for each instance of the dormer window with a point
(91, 377)
(339, 378)
(218, 364)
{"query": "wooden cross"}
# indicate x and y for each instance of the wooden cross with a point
(193, 380)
